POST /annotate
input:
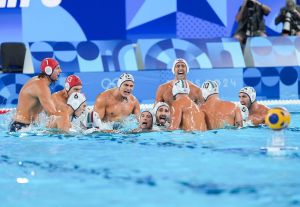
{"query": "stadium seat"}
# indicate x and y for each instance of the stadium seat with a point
(12, 56)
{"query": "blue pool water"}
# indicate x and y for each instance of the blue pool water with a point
(216, 168)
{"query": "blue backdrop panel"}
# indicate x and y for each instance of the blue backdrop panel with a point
(274, 83)
(272, 51)
(41, 20)
(7, 89)
(99, 19)
(87, 56)
(10, 25)
(230, 80)
(270, 83)
(216, 18)
(199, 53)
(146, 83)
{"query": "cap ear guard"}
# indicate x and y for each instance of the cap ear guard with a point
(124, 77)
(48, 70)
(250, 91)
(180, 86)
(178, 60)
(209, 88)
(67, 86)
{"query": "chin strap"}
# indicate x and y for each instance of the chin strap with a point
(73, 116)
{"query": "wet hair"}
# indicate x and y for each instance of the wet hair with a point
(42, 75)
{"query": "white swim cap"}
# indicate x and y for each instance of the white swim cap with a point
(178, 61)
(124, 77)
(180, 86)
(209, 88)
(92, 120)
(250, 91)
(157, 106)
(153, 116)
(75, 100)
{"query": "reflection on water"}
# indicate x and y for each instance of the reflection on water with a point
(214, 168)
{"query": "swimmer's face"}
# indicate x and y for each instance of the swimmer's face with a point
(145, 121)
(126, 88)
(245, 99)
(162, 115)
(180, 71)
(75, 89)
(55, 75)
(80, 110)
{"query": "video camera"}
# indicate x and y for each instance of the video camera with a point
(250, 4)
(287, 22)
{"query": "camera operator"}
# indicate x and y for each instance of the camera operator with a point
(289, 16)
(250, 20)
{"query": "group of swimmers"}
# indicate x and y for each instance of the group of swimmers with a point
(179, 104)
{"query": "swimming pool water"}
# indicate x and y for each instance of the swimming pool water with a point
(216, 168)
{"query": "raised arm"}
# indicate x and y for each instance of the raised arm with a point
(296, 13)
(196, 94)
(239, 15)
(279, 18)
(176, 114)
(136, 109)
(63, 122)
(159, 94)
(99, 106)
(265, 9)
(44, 96)
(259, 117)
(238, 118)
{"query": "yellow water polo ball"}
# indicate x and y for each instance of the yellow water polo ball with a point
(278, 118)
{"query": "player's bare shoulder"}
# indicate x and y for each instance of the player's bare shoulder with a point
(194, 88)
(105, 94)
(165, 86)
(133, 98)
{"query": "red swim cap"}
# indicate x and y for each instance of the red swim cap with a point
(71, 81)
(48, 65)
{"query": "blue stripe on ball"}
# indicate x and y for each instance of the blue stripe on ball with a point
(273, 119)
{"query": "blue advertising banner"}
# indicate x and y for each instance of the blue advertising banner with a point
(272, 51)
(199, 53)
(41, 20)
(125, 55)
(146, 83)
(87, 56)
(274, 83)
